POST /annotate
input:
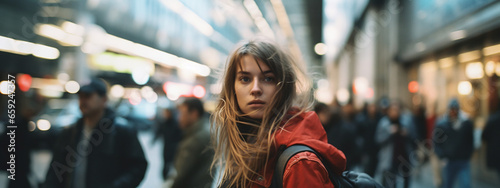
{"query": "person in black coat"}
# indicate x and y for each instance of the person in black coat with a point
(344, 135)
(169, 130)
(368, 120)
(98, 150)
(454, 143)
(491, 136)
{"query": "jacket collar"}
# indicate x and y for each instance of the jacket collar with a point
(108, 117)
(194, 128)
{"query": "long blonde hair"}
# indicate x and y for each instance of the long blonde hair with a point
(240, 160)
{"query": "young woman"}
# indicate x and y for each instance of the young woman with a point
(261, 111)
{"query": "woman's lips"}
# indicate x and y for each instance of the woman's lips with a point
(256, 103)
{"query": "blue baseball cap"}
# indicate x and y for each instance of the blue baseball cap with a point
(95, 86)
(453, 104)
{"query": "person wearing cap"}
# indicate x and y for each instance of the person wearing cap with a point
(98, 150)
(453, 143)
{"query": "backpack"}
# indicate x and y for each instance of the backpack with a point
(346, 180)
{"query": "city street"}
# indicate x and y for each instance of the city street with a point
(386, 82)
(423, 179)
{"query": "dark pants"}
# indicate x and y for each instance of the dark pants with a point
(397, 172)
(390, 179)
(371, 166)
(460, 169)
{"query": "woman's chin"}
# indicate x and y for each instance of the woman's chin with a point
(256, 115)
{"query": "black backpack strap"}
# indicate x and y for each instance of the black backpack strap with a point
(283, 160)
(346, 180)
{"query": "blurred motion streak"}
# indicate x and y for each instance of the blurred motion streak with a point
(283, 20)
(163, 58)
(490, 50)
(24, 48)
(191, 17)
(197, 22)
(258, 18)
(446, 62)
(65, 38)
(469, 56)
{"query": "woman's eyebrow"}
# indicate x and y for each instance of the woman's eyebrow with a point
(242, 72)
(267, 72)
(263, 72)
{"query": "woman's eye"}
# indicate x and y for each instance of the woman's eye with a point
(269, 79)
(245, 79)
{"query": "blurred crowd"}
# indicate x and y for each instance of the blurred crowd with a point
(392, 142)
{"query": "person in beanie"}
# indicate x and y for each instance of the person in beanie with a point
(96, 151)
(454, 144)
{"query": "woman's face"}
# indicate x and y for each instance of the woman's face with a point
(254, 87)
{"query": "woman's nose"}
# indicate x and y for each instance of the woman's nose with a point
(256, 88)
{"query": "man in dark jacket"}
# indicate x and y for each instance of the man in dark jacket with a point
(97, 151)
(491, 135)
(454, 143)
(194, 156)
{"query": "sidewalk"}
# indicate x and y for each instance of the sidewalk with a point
(481, 176)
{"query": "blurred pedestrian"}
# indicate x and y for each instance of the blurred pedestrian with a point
(393, 137)
(454, 144)
(194, 155)
(98, 150)
(433, 158)
(384, 103)
(169, 130)
(491, 136)
(323, 112)
(256, 119)
(368, 120)
(345, 136)
(420, 137)
(420, 123)
(432, 116)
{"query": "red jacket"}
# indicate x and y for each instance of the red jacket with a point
(304, 169)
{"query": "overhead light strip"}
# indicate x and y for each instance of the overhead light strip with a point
(258, 18)
(189, 16)
(70, 34)
(162, 58)
(197, 22)
(283, 20)
(25, 48)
